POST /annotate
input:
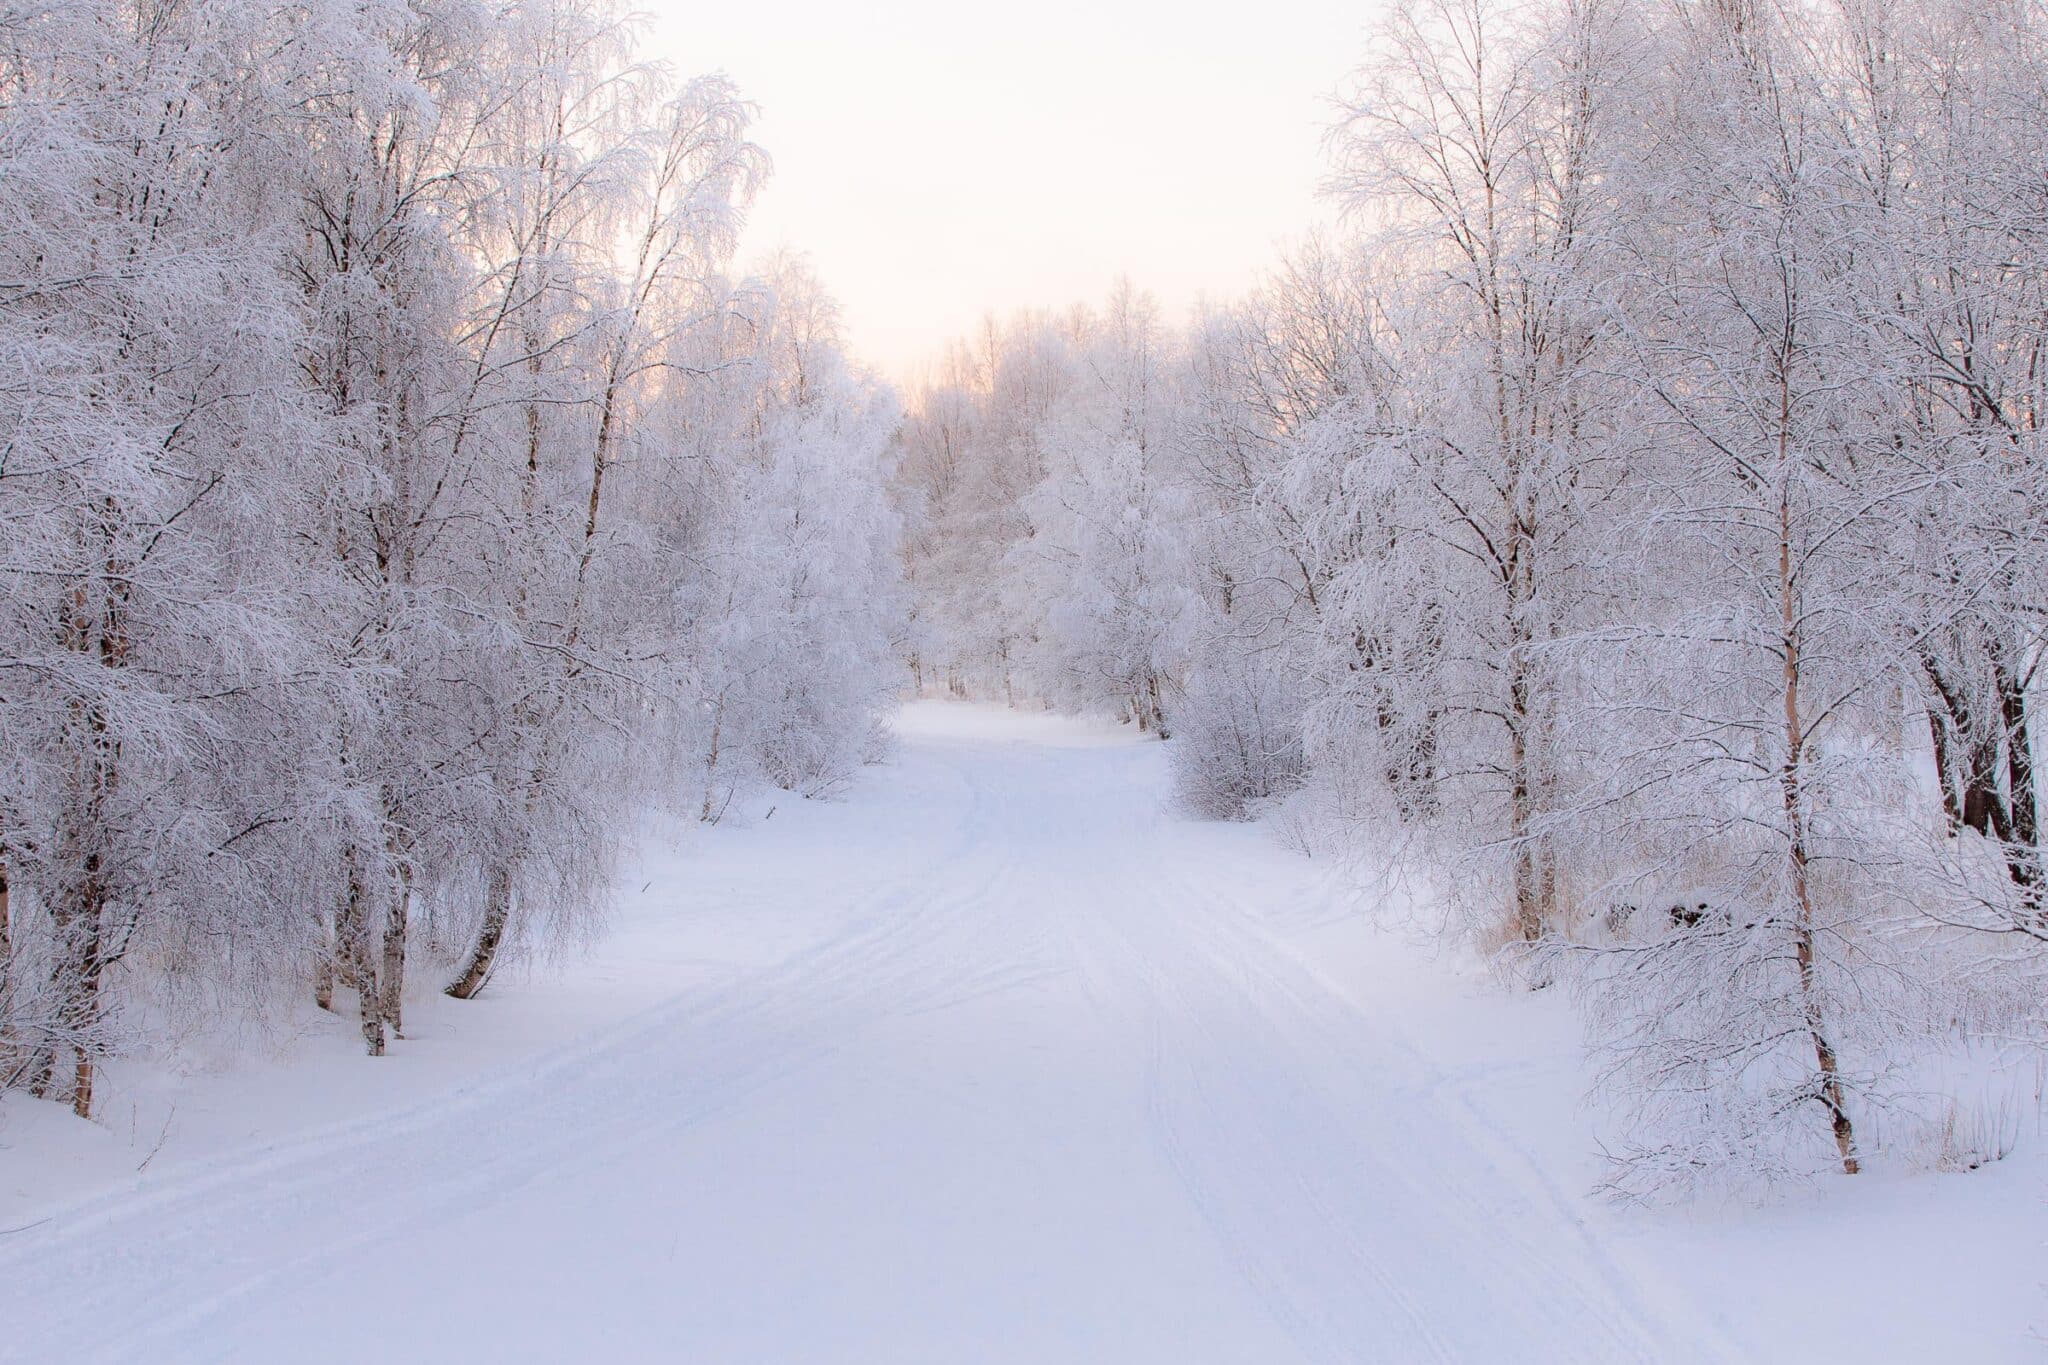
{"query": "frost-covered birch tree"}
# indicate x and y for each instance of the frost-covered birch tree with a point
(1635, 523)
(342, 496)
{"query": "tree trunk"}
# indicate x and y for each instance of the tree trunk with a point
(352, 956)
(82, 1007)
(1960, 755)
(96, 626)
(8, 1074)
(1992, 789)
(391, 982)
(490, 937)
(1531, 905)
(497, 914)
(2021, 835)
(1966, 755)
(711, 761)
(75, 984)
(41, 1068)
(323, 975)
(1791, 787)
(1942, 732)
(13, 1065)
(1983, 802)
(1531, 918)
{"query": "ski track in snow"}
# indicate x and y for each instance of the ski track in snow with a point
(1044, 1085)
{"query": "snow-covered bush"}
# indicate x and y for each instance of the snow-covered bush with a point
(1237, 737)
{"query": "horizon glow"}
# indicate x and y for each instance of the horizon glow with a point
(938, 163)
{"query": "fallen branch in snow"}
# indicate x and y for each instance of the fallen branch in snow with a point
(160, 1138)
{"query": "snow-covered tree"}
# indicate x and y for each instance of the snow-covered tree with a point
(1638, 519)
(345, 498)
(798, 629)
(148, 421)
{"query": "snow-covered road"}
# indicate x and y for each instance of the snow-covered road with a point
(993, 1061)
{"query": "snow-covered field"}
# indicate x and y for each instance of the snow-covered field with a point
(992, 1060)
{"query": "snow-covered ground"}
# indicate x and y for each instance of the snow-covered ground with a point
(993, 1060)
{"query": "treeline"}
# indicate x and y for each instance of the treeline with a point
(1639, 517)
(398, 492)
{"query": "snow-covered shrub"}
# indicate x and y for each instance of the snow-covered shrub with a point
(796, 612)
(1237, 742)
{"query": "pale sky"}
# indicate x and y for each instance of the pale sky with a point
(939, 160)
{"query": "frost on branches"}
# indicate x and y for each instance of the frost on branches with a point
(394, 473)
(1634, 517)
(1637, 518)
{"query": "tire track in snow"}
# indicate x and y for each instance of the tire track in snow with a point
(709, 1052)
(1298, 1145)
(1357, 1207)
(1435, 1105)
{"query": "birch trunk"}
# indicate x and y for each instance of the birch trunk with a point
(1793, 790)
(352, 954)
(490, 938)
(391, 980)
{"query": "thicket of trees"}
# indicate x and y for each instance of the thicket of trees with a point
(1641, 516)
(399, 491)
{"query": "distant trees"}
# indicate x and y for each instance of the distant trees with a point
(1046, 490)
(795, 608)
(372, 383)
(1642, 514)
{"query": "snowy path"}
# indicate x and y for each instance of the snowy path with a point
(993, 1062)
